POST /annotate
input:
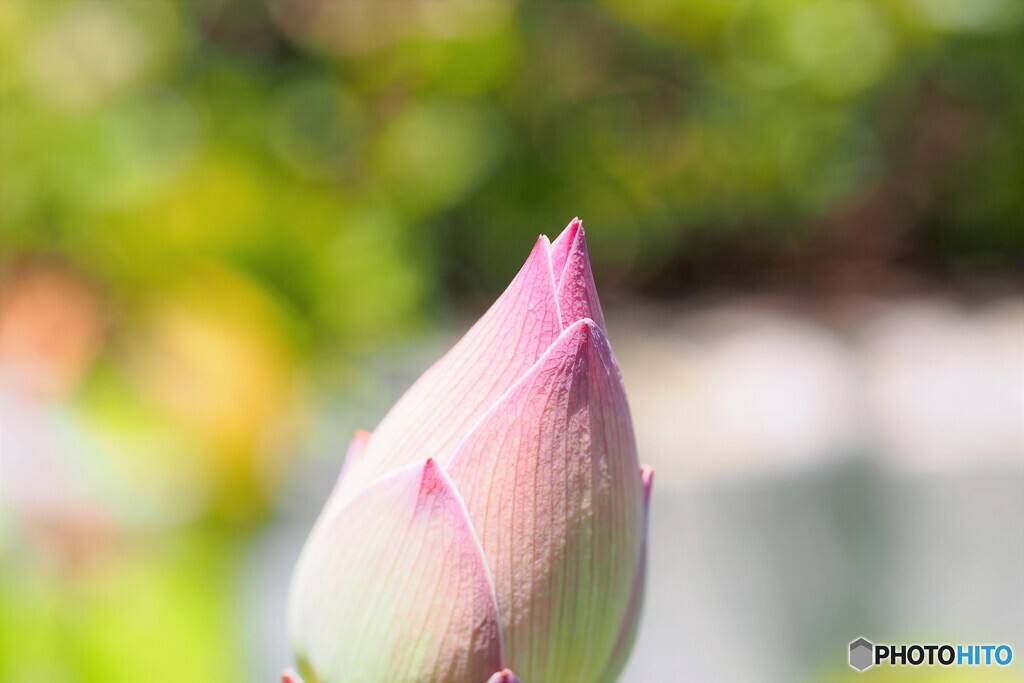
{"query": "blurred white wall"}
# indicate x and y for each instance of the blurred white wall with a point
(821, 475)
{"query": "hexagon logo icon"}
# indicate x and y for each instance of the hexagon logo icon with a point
(862, 654)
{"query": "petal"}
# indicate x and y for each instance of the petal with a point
(396, 570)
(570, 261)
(503, 676)
(551, 481)
(289, 676)
(443, 405)
(631, 623)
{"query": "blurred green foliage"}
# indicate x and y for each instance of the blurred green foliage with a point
(240, 198)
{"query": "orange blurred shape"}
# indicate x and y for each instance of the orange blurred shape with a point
(51, 328)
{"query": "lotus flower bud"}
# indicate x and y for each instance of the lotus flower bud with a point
(495, 521)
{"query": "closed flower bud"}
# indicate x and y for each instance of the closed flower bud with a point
(495, 521)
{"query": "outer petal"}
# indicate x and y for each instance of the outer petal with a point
(443, 405)
(551, 481)
(630, 625)
(394, 587)
(570, 261)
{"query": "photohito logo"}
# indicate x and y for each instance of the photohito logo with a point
(864, 654)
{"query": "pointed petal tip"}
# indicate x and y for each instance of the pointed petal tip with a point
(574, 279)
(503, 676)
(356, 448)
(575, 339)
(542, 244)
(541, 250)
(586, 325)
(586, 341)
(647, 478)
(575, 226)
(432, 479)
(358, 443)
(568, 235)
(290, 676)
(575, 235)
(585, 332)
(576, 231)
(562, 246)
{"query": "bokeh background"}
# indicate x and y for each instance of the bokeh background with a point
(231, 232)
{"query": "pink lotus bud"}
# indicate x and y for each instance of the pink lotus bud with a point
(496, 519)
